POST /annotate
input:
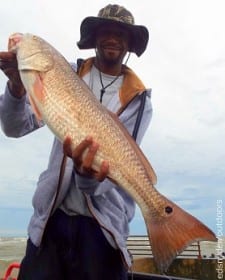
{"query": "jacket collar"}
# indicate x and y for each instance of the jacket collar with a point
(131, 86)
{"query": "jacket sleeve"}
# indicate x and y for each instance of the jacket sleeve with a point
(16, 116)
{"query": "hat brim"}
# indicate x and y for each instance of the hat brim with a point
(139, 34)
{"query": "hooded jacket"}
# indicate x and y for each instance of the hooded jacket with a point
(109, 204)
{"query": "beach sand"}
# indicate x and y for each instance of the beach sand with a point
(5, 264)
(12, 250)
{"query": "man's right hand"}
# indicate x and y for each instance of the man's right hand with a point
(8, 64)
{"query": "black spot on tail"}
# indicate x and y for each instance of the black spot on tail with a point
(168, 209)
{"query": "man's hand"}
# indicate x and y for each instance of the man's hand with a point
(8, 64)
(83, 164)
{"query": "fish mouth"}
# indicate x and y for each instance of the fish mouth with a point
(14, 39)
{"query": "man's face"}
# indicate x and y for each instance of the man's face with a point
(112, 44)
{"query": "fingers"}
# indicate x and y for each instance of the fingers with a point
(7, 55)
(8, 60)
(81, 161)
(79, 150)
(88, 163)
(104, 170)
(89, 158)
(67, 146)
(8, 64)
(83, 157)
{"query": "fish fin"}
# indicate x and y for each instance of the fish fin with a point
(172, 233)
(150, 171)
(35, 109)
(36, 95)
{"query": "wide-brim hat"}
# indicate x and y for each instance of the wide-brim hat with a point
(113, 14)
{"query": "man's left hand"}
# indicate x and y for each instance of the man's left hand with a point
(83, 157)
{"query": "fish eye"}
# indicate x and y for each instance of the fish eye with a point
(168, 209)
(34, 37)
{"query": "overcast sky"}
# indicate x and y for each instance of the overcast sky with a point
(184, 65)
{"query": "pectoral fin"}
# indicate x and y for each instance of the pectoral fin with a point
(34, 86)
(35, 108)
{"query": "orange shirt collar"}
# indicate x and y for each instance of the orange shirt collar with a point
(131, 86)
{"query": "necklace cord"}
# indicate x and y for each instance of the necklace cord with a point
(102, 91)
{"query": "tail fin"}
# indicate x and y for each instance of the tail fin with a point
(172, 232)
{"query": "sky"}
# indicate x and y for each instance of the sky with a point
(184, 65)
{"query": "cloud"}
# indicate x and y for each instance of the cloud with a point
(22, 160)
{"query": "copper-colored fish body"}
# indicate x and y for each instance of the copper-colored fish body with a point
(69, 108)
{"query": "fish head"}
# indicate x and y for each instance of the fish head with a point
(32, 52)
(35, 59)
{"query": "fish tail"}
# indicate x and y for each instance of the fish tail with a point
(172, 233)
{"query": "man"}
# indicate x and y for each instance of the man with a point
(81, 220)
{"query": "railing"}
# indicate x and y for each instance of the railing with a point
(139, 246)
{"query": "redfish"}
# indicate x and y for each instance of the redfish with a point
(69, 108)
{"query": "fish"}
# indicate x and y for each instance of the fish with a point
(61, 99)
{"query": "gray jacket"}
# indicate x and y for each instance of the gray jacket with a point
(109, 204)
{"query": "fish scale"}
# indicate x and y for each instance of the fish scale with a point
(68, 107)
